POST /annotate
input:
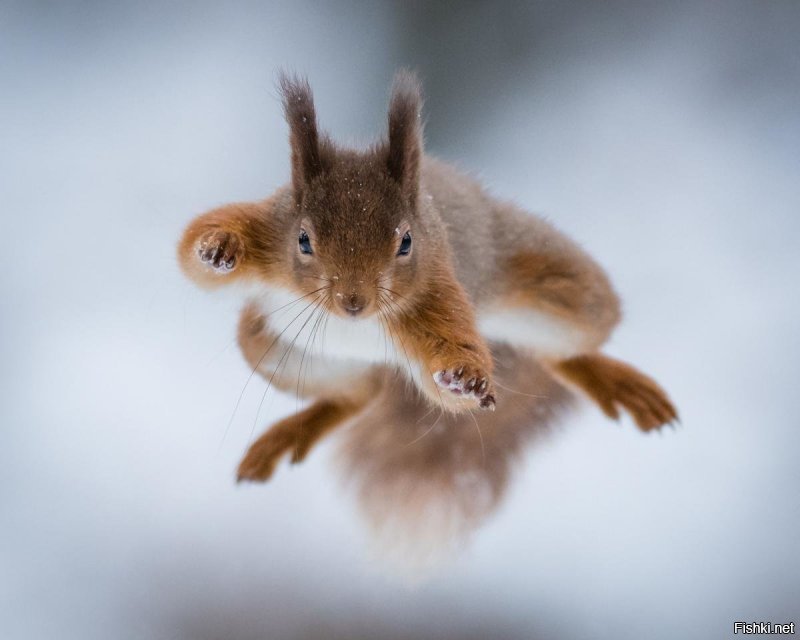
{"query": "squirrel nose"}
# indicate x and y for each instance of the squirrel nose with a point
(353, 304)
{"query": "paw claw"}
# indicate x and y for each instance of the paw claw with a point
(459, 382)
(220, 250)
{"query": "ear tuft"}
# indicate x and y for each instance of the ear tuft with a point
(298, 106)
(405, 132)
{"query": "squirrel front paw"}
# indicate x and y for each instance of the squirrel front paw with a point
(467, 382)
(220, 250)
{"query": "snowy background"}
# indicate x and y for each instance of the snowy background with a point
(664, 137)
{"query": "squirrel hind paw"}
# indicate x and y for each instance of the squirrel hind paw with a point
(616, 385)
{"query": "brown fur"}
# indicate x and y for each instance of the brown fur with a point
(564, 288)
(310, 155)
(259, 235)
(296, 435)
(404, 150)
(470, 255)
(613, 384)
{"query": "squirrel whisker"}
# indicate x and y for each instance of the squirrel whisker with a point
(316, 302)
(480, 435)
(264, 355)
(429, 429)
(396, 335)
(527, 395)
(309, 340)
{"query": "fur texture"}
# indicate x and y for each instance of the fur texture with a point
(425, 479)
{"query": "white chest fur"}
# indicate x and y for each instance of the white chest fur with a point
(310, 332)
(305, 325)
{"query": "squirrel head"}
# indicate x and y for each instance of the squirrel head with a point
(356, 226)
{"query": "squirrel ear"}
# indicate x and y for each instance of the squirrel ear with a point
(404, 153)
(298, 107)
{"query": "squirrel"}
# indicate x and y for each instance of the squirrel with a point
(386, 264)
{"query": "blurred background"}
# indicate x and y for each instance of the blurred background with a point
(662, 136)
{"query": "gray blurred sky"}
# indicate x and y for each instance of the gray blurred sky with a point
(663, 136)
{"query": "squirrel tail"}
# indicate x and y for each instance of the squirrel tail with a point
(426, 479)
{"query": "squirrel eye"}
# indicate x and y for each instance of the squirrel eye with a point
(405, 245)
(305, 243)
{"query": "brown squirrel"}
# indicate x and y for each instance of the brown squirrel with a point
(386, 264)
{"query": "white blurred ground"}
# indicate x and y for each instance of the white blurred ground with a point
(672, 156)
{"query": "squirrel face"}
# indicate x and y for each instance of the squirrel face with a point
(355, 228)
(355, 235)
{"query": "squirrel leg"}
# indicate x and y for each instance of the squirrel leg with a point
(294, 435)
(558, 305)
(613, 384)
(441, 333)
(227, 244)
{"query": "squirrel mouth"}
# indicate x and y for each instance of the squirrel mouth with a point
(354, 311)
(353, 304)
